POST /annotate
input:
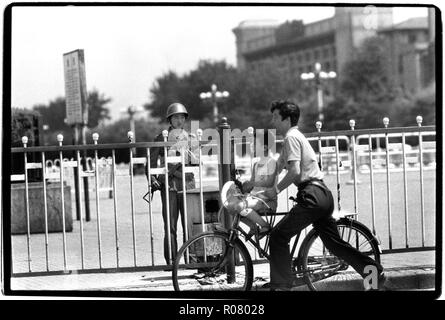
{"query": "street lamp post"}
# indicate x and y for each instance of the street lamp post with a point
(214, 96)
(317, 75)
(131, 111)
(45, 128)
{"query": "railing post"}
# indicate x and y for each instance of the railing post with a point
(224, 167)
(86, 187)
(167, 198)
(28, 223)
(75, 171)
(419, 120)
(201, 190)
(354, 165)
(318, 125)
(130, 135)
(225, 146)
(96, 179)
(62, 196)
(388, 181)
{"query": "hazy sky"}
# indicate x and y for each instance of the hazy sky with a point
(126, 48)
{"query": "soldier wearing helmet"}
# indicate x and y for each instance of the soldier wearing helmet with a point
(176, 115)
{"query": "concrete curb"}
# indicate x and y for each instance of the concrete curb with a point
(398, 279)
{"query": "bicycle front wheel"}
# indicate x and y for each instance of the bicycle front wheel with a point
(210, 262)
(324, 271)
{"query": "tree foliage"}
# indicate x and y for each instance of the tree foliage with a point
(116, 132)
(367, 95)
(251, 92)
(97, 110)
(170, 88)
(54, 113)
(364, 92)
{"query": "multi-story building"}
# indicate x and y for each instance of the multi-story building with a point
(295, 47)
(406, 43)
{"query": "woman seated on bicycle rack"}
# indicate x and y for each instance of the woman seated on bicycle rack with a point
(263, 177)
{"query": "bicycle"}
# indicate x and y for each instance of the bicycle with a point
(219, 260)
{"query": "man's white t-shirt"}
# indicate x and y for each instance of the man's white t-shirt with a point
(296, 147)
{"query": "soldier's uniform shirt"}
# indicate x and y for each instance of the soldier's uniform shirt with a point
(175, 169)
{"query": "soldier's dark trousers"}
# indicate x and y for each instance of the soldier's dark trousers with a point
(315, 205)
(176, 207)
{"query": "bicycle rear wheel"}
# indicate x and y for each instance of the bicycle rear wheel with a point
(203, 263)
(324, 271)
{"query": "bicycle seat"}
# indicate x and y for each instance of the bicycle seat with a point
(342, 214)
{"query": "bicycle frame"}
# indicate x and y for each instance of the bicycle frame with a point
(235, 228)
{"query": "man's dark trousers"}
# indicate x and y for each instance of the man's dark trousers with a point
(176, 206)
(315, 205)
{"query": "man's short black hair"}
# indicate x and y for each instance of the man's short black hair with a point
(287, 109)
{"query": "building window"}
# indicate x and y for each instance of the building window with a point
(308, 56)
(412, 38)
(328, 66)
(325, 53)
(400, 64)
(316, 54)
(299, 58)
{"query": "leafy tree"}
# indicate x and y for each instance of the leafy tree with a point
(425, 105)
(54, 115)
(166, 90)
(251, 92)
(97, 110)
(366, 94)
(171, 88)
(116, 132)
(25, 123)
(366, 77)
(365, 91)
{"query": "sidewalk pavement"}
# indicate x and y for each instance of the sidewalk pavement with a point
(405, 271)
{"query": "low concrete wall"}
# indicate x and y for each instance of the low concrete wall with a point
(36, 208)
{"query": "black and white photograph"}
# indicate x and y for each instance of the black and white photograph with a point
(171, 149)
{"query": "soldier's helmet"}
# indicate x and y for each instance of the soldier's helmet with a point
(176, 108)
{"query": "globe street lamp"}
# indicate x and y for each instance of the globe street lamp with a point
(318, 74)
(45, 128)
(214, 96)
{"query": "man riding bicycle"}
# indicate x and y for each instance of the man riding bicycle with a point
(315, 203)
